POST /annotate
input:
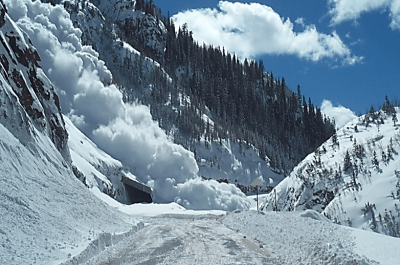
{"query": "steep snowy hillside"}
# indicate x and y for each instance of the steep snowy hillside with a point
(353, 179)
(30, 99)
(46, 214)
(95, 168)
(99, 23)
(126, 131)
(235, 163)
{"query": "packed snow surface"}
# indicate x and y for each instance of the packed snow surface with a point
(187, 240)
(177, 236)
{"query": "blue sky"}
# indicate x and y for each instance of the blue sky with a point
(344, 51)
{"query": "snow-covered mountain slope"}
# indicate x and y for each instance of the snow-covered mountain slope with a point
(95, 16)
(126, 131)
(353, 178)
(100, 23)
(46, 214)
(234, 163)
(28, 98)
(95, 168)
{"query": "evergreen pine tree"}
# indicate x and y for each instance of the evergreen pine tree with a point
(384, 157)
(335, 141)
(394, 118)
(347, 162)
(375, 160)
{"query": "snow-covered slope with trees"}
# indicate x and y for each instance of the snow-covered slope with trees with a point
(53, 211)
(229, 162)
(126, 131)
(193, 93)
(353, 178)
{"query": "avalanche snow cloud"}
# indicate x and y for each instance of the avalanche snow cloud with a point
(95, 106)
(246, 28)
(342, 115)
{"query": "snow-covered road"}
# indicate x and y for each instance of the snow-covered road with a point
(247, 237)
(187, 240)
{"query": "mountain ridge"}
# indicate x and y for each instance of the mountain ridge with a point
(160, 66)
(353, 178)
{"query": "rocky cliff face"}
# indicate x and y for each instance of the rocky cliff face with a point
(27, 97)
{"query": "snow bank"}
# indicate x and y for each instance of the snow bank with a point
(297, 240)
(102, 242)
(95, 106)
(46, 214)
(381, 248)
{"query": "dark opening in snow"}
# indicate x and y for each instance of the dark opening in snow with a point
(137, 192)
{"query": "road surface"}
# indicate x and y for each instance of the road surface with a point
(185, 240)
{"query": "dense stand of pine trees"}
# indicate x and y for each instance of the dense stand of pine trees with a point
(246, 104)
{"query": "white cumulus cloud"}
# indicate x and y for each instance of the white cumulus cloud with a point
(253, 29)
(342, 115)
(343, 10)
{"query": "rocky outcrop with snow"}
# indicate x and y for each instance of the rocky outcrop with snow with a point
(107, 20)
(94, 167)
(28, 98)
(353, 179)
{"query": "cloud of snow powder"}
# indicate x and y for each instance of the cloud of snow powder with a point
(251, 30)
(341, 114)
(95, 106)
(343, 10)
